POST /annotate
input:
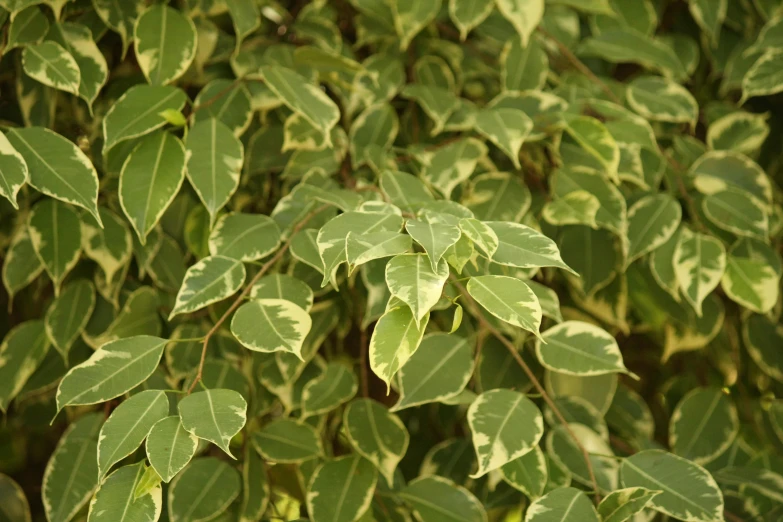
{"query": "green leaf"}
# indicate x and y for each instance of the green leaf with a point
(341, 490)
(523, 247)
(22, 351)
(720, 170)
(165, 43)
(287, 441)
(302, 97)
(52, 65)
(115, 368)
(467, 14)
(170, 447)
(763, 77)
(612, 213)
(659, 99)
(597, 390)
(436, 102)
(579, 348)
(212, 279)
(246, 237)
(498, 196)
(508, 299)
(204, 490)
(737, 212)
(480, 234)
(562, 449)
(128, 426)
(699, 263)
(57, 167)
(78, 41)
(138, 112)
(688, 491)
(138, 316)
(766, 482)
(505, 425)
(227, 101)
(523, 68)
(404, 190)
(751, 282)
(437, 372)
(375, 128)
(596, 140)
(331, 237)
(110, 246)
(68, 315)
(562, 505)
(55, 232)
(214, 415)
(362, 249)
(150, 179)
(435, 238)
(527, 473)
(739, 131)
(624, 504)
(394, 340)
(255, 486)
(71, 474)
(335, 386)
(703, 425)
(652, 220)
(376, 434)
(579, 207)
(13, 170)
(411, 16)
(523, 15)
(506, 128)
(14, 502)
(709, 14)
(451, 165)
(627, 45)
(120, 16)
(213, 163)
(437, 499)
(271, 325)
(29, 26)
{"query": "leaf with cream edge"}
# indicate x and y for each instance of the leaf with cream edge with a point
(404, 190)
(68, 314)
(214, 415)
(438, 499)
(255, 486)
(750, 282)
(480, 234)
(450, 166)
(505, 127)
(116, 497)
(214, 162)
(651, 222)
(523, 247)
(688, 491)
(505, 425)
(467, 14)
(128, 426)
(288, 441)
(411, 16)
(55, 233)
(699, 264)
(376, 434)
(283, 286)
(51, 64)
(524, 15)
(394, 340)
(438, 371)
(335, 386)
(212, 279)
(170, 447)
(341, 490)
(302, 97)
(57, 167)
(562, 505)
(596, 140)
(115, 368)
(703, 425)
(360, 249)
(527, 473)
(247, 237)
(165, 43)
(203, 490)
(624, 504)
(411, 278)
(120, 17)
(22, 351)
(434, 238)
(508, 299)
(579, 348)
(138, 112)
(271, 325)
(150, 179)
(14, 501)
(111, 246)
(737, 212)
(658, 99)
(13, 171)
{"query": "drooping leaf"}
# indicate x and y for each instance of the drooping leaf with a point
(13, 170)
(651, 222)
(524, 16)
(394, 340)
(55, 233)
(110, 246)
(703, 425)
(505, 127)
(120, 16)
(170, 447)
(270, 325)
(52, 65)
(78, 41)
(505, 426)
(412, 279)
(376, 434)
(116, 498)
(699, 263)
(212, 279)
(215, 415)
(302, 97)
(68, 314)
(203, 490)
(467, 14)
(688, 491)
(115, 368)
(57, 167)
(527, 473)
(255, 486)
(523, 247)
(412, 16)
(508, 299)
(596, 141)
(22, 351)
(341, 490)
(335, 386)
(165, 43)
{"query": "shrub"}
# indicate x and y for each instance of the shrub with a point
(385, 260)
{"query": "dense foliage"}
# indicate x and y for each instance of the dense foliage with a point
(391, 260)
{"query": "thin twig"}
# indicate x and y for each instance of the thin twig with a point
(269, 264)
(477, 313)
(579, 65)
